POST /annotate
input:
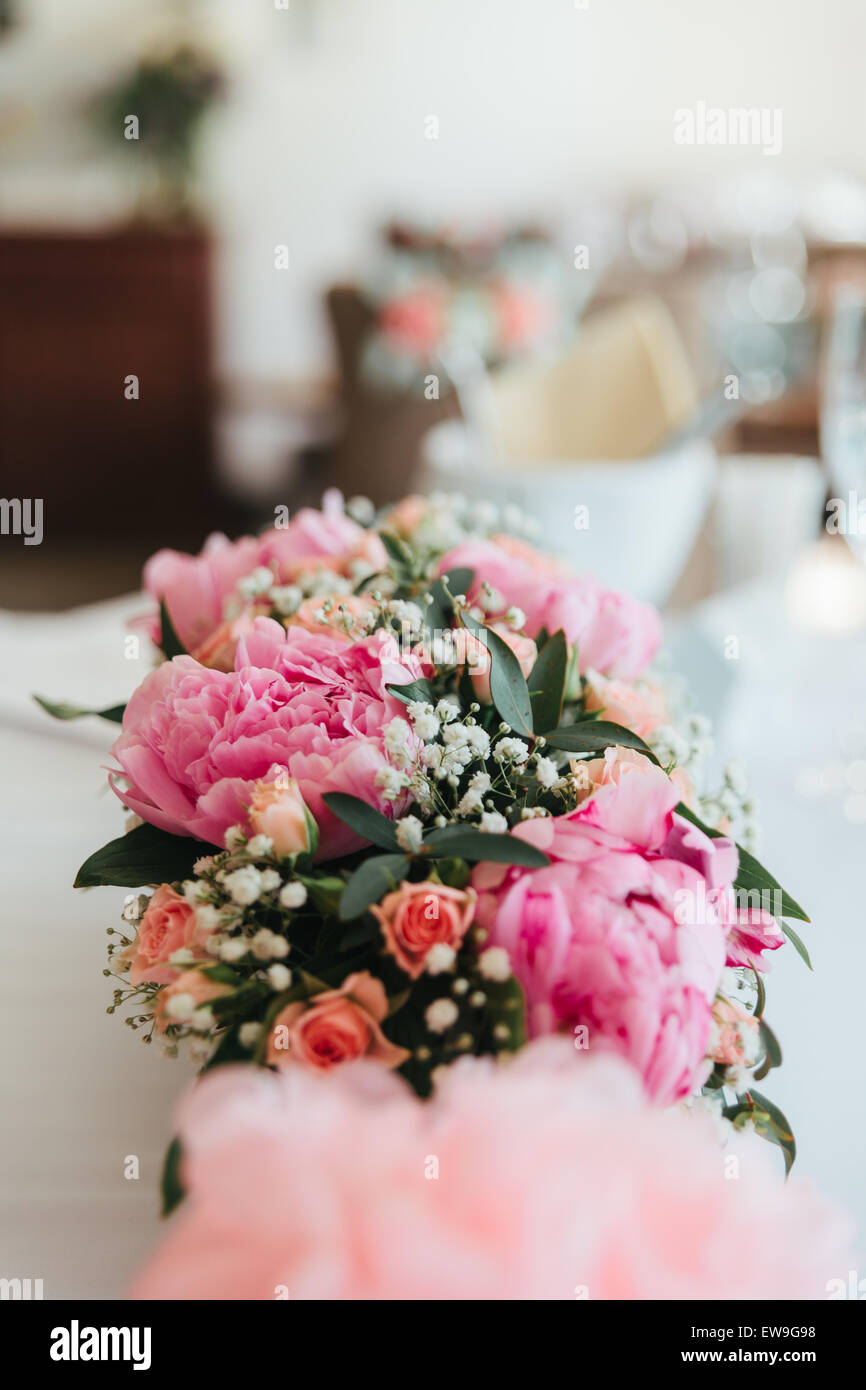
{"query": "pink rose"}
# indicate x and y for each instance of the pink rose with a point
(595, 938)
(193, 989)
(279, 811)
(195, 742)
(167, 926)
(352, 608)
(615, 633)
(340, 1025)
(641, 709)
(735, 1034)
(421, 915)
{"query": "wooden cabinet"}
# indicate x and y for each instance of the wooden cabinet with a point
(79, 314)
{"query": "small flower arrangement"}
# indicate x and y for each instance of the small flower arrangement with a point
(405, 788)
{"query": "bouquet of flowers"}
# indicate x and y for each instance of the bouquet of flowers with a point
(500, 297)
(404, 788)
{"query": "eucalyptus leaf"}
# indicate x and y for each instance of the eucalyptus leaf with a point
(169, 641)
(508, 689)
(420, 690)
(171, 1186)
(143, 856)
(58, 710)
(594, 735)
(753, 877)
(364, 819)
(370, 882)
(547, 683)
(467, 842)
(797, 944)
(440, 613)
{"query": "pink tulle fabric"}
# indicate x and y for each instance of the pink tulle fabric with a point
(546, 1178)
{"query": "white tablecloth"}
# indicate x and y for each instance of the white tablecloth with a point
(79, 1090)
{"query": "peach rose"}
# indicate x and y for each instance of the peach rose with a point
(608, 770)
(193, 983)
(420, 915)
(218, 649)
(474, 654)
(337, 1026)
(407, 516)
(168, 925)
(278, 810)
(641, 709)
(735, 1037)
(356, 606)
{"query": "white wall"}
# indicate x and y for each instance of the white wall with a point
(536, 100)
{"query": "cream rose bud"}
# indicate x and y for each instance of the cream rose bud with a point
(278, 811)
(476, 656)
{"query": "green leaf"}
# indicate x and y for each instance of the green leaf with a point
(143, 856)
(508, 688)
(171, 1186)
(324, 892)
(415, 690)
(114, 713)
(772, 1050)
(797, 944)
(396, 549)
(779, 1131)
(168, 640)
(753, 877)
(370, 882)
(467, 842)
(439, 614)
(594, 735)
(364, 819)
(547, 683)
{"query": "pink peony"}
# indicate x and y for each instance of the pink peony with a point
(200, 591)
(549, 1178)
(615, 633)
(195, 742)
(196, 587)
(596, 938)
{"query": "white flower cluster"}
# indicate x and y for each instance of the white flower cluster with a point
(450, 518)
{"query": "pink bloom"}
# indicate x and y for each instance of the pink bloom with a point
(326, 539)
(735, 1034)
(195, 587)
(195, 742)
(596, 939)
(194, 989)
(278, 810)
(337, 1026)
(615, 633)
(751, 931)
(354, 608)
(421, 915)
(525, 318)
(556, 1181)
(415, 321)
(639, 708)
(168, 925)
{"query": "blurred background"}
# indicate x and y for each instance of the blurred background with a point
(250, 250)
(601, 258)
